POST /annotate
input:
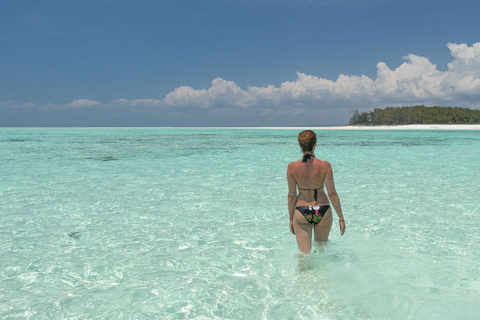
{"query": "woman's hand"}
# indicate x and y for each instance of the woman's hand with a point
(342, 227)
(291, 227)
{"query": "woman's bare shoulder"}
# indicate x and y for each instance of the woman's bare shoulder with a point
(293, 165)
(324, 163)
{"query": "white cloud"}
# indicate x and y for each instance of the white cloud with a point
(13, 104)
(138, 102)
(82, 103)
(76, 104)
(415, 81)
(221, 93)
(464, 71)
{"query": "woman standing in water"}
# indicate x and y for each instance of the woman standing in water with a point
(310, 207)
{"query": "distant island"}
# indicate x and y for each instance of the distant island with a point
(416, 115)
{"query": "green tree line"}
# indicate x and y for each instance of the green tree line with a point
(416, 115)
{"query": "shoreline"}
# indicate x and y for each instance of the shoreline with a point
(410, 127)
(400, 127)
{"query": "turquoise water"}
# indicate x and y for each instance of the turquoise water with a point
(193, 224)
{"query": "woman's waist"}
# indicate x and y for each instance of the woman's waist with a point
(310, 192)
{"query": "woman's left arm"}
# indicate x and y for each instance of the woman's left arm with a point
(292, 196)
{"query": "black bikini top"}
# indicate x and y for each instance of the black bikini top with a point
(305, 158)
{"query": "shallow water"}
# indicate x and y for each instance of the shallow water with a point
(192, 224)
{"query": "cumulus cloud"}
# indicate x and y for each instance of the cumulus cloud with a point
(416, 81)
(221, 93)
(82, 103)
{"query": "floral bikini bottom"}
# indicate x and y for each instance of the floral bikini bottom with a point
(313, 214)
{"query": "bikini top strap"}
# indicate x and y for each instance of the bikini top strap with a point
(307, 156)
(314, 191)
(310, 189)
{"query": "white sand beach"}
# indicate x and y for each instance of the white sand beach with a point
(402, 127)
(409, 127)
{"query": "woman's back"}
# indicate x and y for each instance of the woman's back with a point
(310, 176)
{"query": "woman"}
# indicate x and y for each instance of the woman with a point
(311, 208)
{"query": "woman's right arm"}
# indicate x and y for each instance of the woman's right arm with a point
(333, 195)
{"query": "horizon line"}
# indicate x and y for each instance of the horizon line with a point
(333, 127)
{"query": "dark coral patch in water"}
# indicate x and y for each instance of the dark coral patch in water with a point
(108, 158)
(75, 235)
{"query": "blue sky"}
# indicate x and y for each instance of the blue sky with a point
(225, 62)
